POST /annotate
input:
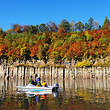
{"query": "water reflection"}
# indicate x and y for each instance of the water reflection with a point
(65, 84)
(55, 94)
(86, 93)
(38, 95)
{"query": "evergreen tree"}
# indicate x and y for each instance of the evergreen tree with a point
(65, 25)
(105, 22)
(90, 23)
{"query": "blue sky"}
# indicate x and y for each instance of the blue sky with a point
(33, 12)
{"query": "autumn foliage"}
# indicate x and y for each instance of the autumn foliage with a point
(23, 42)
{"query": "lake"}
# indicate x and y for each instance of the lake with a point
(73, 94)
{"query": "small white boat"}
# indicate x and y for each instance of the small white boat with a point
(32, 88)
(32, 94)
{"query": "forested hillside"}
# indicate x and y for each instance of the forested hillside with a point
(57, 42)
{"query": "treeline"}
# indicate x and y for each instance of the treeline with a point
(64, 26)
(49, 41)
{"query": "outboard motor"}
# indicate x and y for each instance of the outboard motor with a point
(55, 87)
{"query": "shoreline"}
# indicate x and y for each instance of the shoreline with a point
(55, 72)
(66, 69)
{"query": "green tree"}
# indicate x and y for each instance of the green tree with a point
(90, 23)
(65, 25)
(24, 51)
(42, 28)
(105, 21)
(86, 26)
(55, 55)
(72, 39)
(33, 29)
(79, 26)
(88, 36)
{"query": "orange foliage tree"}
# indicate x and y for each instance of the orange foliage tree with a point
(75, 51)
(14, 53)
(3, 51)
(34, 50)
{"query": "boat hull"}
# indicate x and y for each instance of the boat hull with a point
(32, 88)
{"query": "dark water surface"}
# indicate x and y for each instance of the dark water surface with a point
(78, 94)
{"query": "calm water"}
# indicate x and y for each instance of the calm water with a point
(79, 94)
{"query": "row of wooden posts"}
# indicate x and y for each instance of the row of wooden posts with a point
(54, 72)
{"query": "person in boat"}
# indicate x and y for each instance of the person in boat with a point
(30, 80)
(38, 84)
(44, 84)
(38, 79)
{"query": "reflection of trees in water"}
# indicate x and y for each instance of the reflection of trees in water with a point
(73, 86)
(78, 94)
(57, 104)
(63, 83)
